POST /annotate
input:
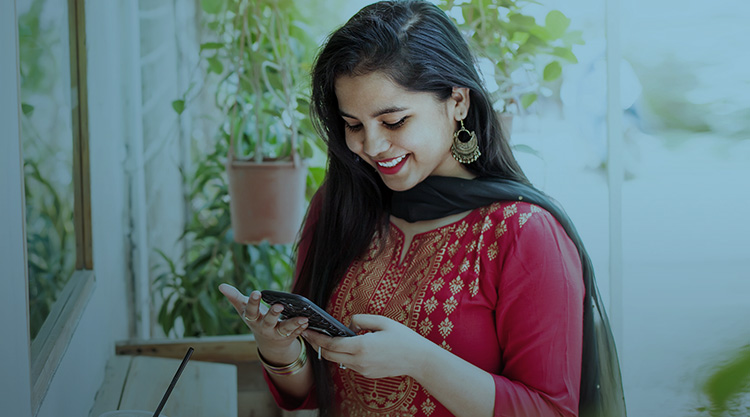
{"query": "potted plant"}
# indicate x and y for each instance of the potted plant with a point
(262, 52)
(256, 62)
(525, 57)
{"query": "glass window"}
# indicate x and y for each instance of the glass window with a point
(47, 140)
(55, 157)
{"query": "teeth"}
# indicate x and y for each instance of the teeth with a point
(392, 163)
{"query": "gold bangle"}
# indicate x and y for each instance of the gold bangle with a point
(292, 368)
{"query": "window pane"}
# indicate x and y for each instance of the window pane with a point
(47, 142)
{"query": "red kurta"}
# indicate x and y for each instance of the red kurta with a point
(501, 288)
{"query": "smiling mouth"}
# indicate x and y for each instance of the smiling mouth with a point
(392, 162)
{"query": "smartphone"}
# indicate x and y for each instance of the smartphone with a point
(298, 306)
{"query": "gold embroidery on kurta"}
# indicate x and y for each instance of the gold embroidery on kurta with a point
(382, 286)
(450, 305)
(495, 207)
(402, 292)
(437, 285)
(428, 407)
(523, 218)
(376, 396)
(456, 285)
(461, 230)
(501, 229)
(445, 328)
(453, 248)
(487, 225)
(383, 294)
(425, 327)
(510, 210)
(474, 287)
(464, 266)
(446, 269)
(430, 305)
(492, 251)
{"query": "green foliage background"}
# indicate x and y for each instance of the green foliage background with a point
(256, 62)
(47, 156)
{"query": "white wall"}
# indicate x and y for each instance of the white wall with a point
(163, 149)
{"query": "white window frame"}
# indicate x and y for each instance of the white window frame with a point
(33, 363)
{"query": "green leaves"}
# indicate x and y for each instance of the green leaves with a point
(520, 38)
(565, 53)
(178, 106)
(262, 94)
(211, 46)
(729, 380)
(27, 109)
(552, 71)
(528, 99)
(556, 23)
(215, 65)
(527, 52)
(212, 6)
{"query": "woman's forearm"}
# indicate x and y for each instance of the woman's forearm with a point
(299, 384)
(461, 387)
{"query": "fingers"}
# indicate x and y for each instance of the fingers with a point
(343, 345)
(261, 319)
(292, 327)
(333, 349)
(251, 310)
(369, 322)
(235, 297)
(271, 319)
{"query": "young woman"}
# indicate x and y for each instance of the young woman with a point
(470, 290)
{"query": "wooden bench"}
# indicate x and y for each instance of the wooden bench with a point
(232, 362)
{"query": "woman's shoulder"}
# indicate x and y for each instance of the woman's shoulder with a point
(513, 216)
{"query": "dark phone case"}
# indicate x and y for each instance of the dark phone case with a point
(298, 306)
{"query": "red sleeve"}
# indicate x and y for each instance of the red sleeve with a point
(539, 322)
(288, 403)
(313, 213)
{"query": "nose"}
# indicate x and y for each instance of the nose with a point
(374, 143)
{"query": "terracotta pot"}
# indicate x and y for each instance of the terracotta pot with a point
(267, 200)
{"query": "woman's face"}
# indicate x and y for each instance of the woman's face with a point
(405, 136)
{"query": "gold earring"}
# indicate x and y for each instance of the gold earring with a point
(467, 151)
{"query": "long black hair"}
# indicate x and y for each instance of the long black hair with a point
(419, 48)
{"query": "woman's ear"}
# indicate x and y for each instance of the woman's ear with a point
(459, 102)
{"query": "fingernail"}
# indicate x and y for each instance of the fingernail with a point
(277, 308)
(255, 295)
(302, 320)
(304, 326)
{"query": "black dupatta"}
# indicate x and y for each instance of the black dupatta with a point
(601, 393)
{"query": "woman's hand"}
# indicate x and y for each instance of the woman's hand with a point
(389, 349)
(276, 339)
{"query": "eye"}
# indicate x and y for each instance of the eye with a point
(394, 126)
(352, 128)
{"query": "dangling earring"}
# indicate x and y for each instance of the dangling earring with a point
(467, 151)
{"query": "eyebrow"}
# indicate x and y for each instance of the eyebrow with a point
(377, 113)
